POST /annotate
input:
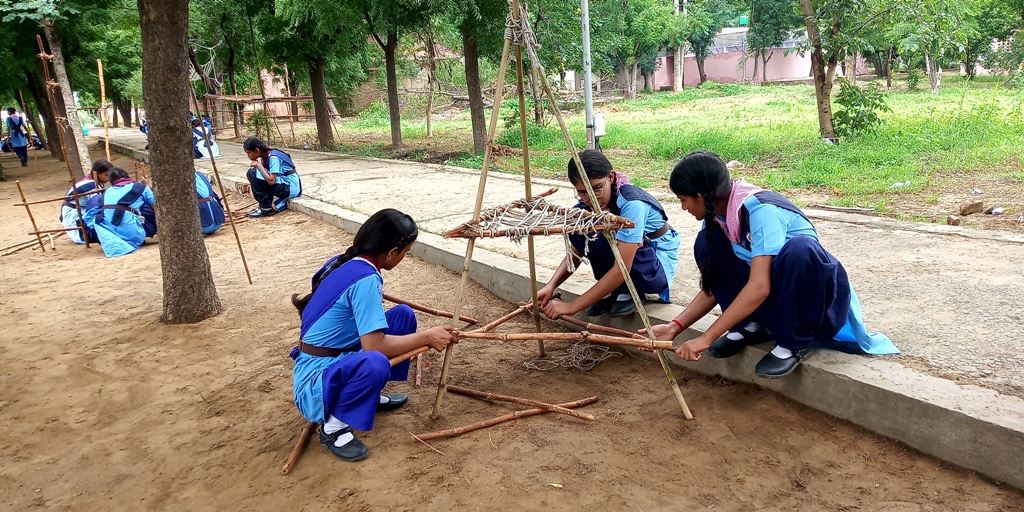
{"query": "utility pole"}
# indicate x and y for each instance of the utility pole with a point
(588, 96)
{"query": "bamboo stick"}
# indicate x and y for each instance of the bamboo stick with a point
(31, 219)
(521, 401)
(508, 316)
(300, 448)
(567, 336)
(35, 157)
(428, 309)
(55, 199)
(103, 108)
(227, 205)
(29, 242)
(601, 328)
(45, 231)
(478, 206)
(458, 431)
(419, 371)
(408, 355)
(462, 232)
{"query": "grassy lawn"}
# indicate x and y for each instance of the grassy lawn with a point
(940, 147)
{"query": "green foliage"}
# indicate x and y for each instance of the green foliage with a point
(540, 136)
(260, 123)
(913, 79)
(858, 108)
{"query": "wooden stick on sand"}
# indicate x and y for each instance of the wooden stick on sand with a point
(31, 219)
(483, 395)
(458, 431)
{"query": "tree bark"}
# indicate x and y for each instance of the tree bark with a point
(323, 118)
(113, 114)
(76, 142)
(538, 99)
(934, 71)
(677, 68)
(428, 42)
(476, 98)
(189, 293)
(43, 108)
(764, 65)
(291, 81)
(822, 77)
(390, 66)
(700, 69)
(757, 65)
(236, 116)
(628, 72)
(888, 68)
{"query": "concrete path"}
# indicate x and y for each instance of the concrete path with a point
(951, 298)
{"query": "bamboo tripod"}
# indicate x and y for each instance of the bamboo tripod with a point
(519, 33)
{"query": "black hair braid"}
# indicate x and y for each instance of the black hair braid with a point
(706, 278)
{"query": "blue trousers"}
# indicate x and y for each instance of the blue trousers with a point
(810, 292)
(149, 224)
(22, 153)
(352, 386)
(646, 272)
(265, 193)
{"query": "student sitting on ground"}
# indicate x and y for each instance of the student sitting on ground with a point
(760, 259)
(211, 211)
(341, 363)
(199, 135)
(272, 177)
(125, 217)
(649, 250)
(98, 178)
(17, 135)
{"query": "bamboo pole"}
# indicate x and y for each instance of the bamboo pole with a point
(567, 336)
(601, 328)
(441, 386)
(103, 108)
(460, 232)
(300, 448)
(227, 206)
(428, 309)
(484, 395)
(55, 199)
(50, 84)
(526, 176)
(458, 431)
(30, 217)
(35, 156)
(518, 311)
(614, 247)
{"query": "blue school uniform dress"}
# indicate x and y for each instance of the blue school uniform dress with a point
(69, 213)
(345, 305)
(124, 219)
(211, 212)
(654, 266)
(812, 303)
(199, 134)
(19, 141)
(286, 186)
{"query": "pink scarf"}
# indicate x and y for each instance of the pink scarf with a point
(123, 181)
(741, 190)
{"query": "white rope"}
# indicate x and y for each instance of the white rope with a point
(581, 355)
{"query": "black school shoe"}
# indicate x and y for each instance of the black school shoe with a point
(623, 308)
(772, 367)
(601, 307)
(724, 347)
(395, 400)
(261, 212)
(352, 451)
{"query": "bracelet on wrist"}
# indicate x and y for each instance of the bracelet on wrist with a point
(679, 325)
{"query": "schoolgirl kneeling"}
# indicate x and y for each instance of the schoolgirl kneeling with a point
(649, 250)
(761, 261)
(123, 217)
(341, 362)
(211, 211)
(272, 177)
(98, 177)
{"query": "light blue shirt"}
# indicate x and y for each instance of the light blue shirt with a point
(14, 129)
(359, 311)
(646, 219)
(126, 238)
(279, 167)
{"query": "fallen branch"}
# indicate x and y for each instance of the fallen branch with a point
(601, 328)
(521, 401)
(458, 431)
(429, 310)
(414, 436)
(300, 448)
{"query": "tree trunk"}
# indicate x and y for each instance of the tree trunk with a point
(189, 292)
(888, 68)
(43, 107)
(323, 117)
(626, 70)
(677, 68)
(934, 72)
(207, 83)
(428, 42)
(822, 78)
(538, 99)
(291, 81)
(476, 98)
(851, 68)
(394, 113)
(113, 114)
(764, 65)
(236, 115)
(757, 65)
(76, 143)
(138, 118)
(700, 70)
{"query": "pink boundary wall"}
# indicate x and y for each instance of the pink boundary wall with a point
(730, 67)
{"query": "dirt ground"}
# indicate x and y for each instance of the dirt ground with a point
(104, 408)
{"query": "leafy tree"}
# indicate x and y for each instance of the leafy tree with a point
(933, 28)
(717, 14)
(629, 32)
(771, 22)
(684, 26)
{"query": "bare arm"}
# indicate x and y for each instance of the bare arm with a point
(698, 308)
(436, 338)
(607, 284)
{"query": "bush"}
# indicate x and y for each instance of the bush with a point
(859, 108)
(913, 79)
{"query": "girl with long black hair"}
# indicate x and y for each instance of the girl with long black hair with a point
(760, 259)
(341, 362)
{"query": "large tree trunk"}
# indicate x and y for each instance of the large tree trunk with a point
(476, 98)
(236, 116)
(677, 68)
(934, 71)
(757, 65)
(394, 113)
(76, 143)
(190, 295)
(626, 71)
(323, 119)
(43, 104)
(113, 114)
(700, 69)
(822, 77)
(764, 64)
(124, 107)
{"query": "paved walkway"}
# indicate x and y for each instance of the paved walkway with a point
(952, 300)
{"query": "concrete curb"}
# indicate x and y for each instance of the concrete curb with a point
(969, 426)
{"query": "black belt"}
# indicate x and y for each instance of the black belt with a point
(289, 173)
(316, 351)
(660, 232)
(119, 207)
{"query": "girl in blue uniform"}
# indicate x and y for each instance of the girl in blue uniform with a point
(199, 135)
(649, 250)
(341, 363)
(272, 177)
(760, 259)
(18, 135)
(125, 217)
(98, 177)
(211, 212)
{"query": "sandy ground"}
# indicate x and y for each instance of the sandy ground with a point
(104, 408)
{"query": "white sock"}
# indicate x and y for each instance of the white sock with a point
(752, 327)
(384, 399)
(333, 425)
(623, 296)
(782, 353)
(735, 336)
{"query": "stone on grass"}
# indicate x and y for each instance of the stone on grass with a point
(969, 208)
(953, 220)
(734, 164)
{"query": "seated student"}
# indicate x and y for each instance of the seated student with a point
(144, 128)
(17, 135)
(199, 135)
(125, 217)
(649, 250)
(341, 362)
(760, 259)
(272, 177)
(211, 211)
(98, 177)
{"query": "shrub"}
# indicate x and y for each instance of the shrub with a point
(859, 108)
